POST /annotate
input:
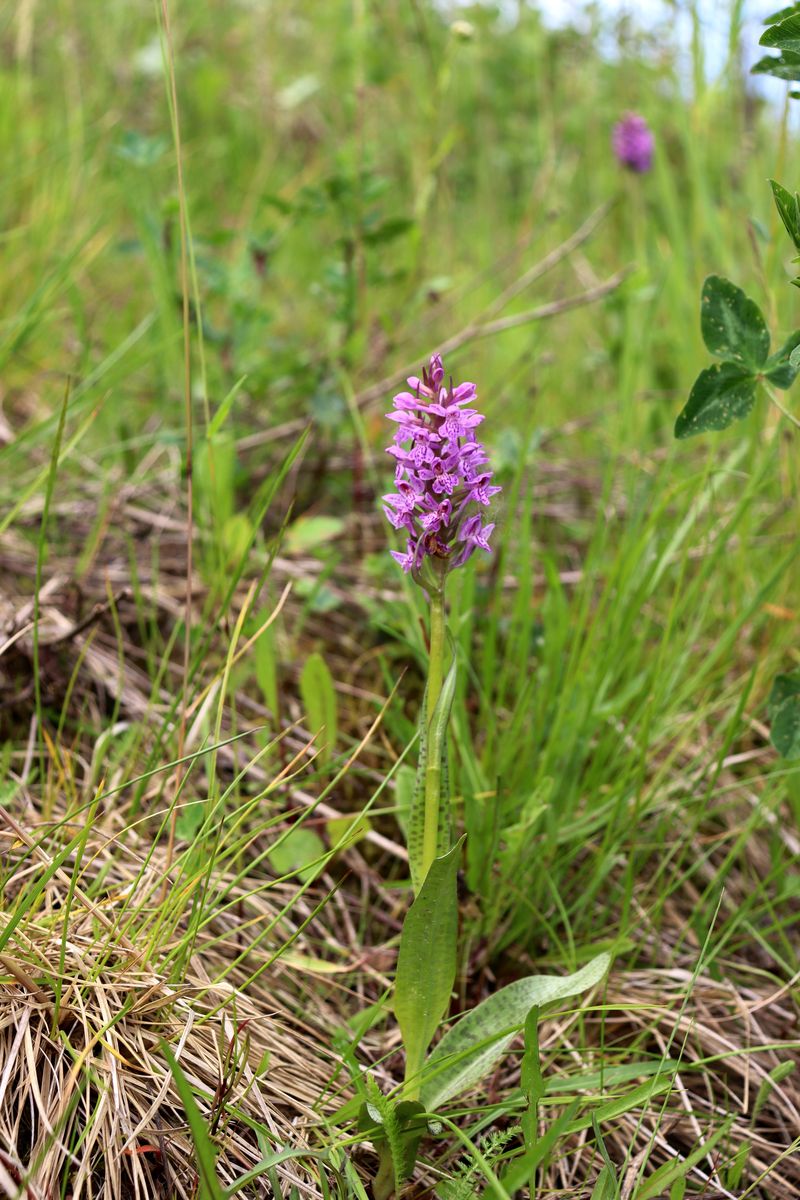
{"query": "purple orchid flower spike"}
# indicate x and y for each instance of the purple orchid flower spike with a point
(441, 477)
(634, 144)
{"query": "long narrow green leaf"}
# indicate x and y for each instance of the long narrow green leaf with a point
(430, 733)
(210, 1186)
(522, 1168)
(665, 1176)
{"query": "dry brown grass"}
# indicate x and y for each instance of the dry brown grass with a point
(87, 1006)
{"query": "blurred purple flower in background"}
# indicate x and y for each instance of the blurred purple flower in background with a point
(634, 143)
(441, 480)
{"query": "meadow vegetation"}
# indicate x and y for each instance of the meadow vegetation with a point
(228, 232)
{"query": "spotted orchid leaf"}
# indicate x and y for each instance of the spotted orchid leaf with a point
(426, 962)
(469, 1051)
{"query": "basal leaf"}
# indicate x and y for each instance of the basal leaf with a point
(319, 699)
(214, 474)
(426, 963)
(732, 324)
(307, 534)
(721, 395)
(785, 35)
(266, 662)
(413, 1128)
(298, 850)
(781, 369)
(469, 1050)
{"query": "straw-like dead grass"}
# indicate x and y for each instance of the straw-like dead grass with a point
(86, 1093)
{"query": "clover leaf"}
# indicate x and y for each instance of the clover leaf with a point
(735, 331)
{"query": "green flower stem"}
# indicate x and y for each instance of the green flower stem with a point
(433, 773)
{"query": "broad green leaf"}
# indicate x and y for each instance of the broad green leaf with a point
(190, 818)
(236, 538)
(665, 1176)
(433, 733)
(308, 533)
(721, 395)
(426, 963)
(784, 66)
(785, 35)
(732, 324)
(214, 475)
(300, 850)
(319, 700)
(781, 369)
(408, 1112)
(788, 206)
(469, 1050)
(266, 661)
(343, 832)
(784, 714)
